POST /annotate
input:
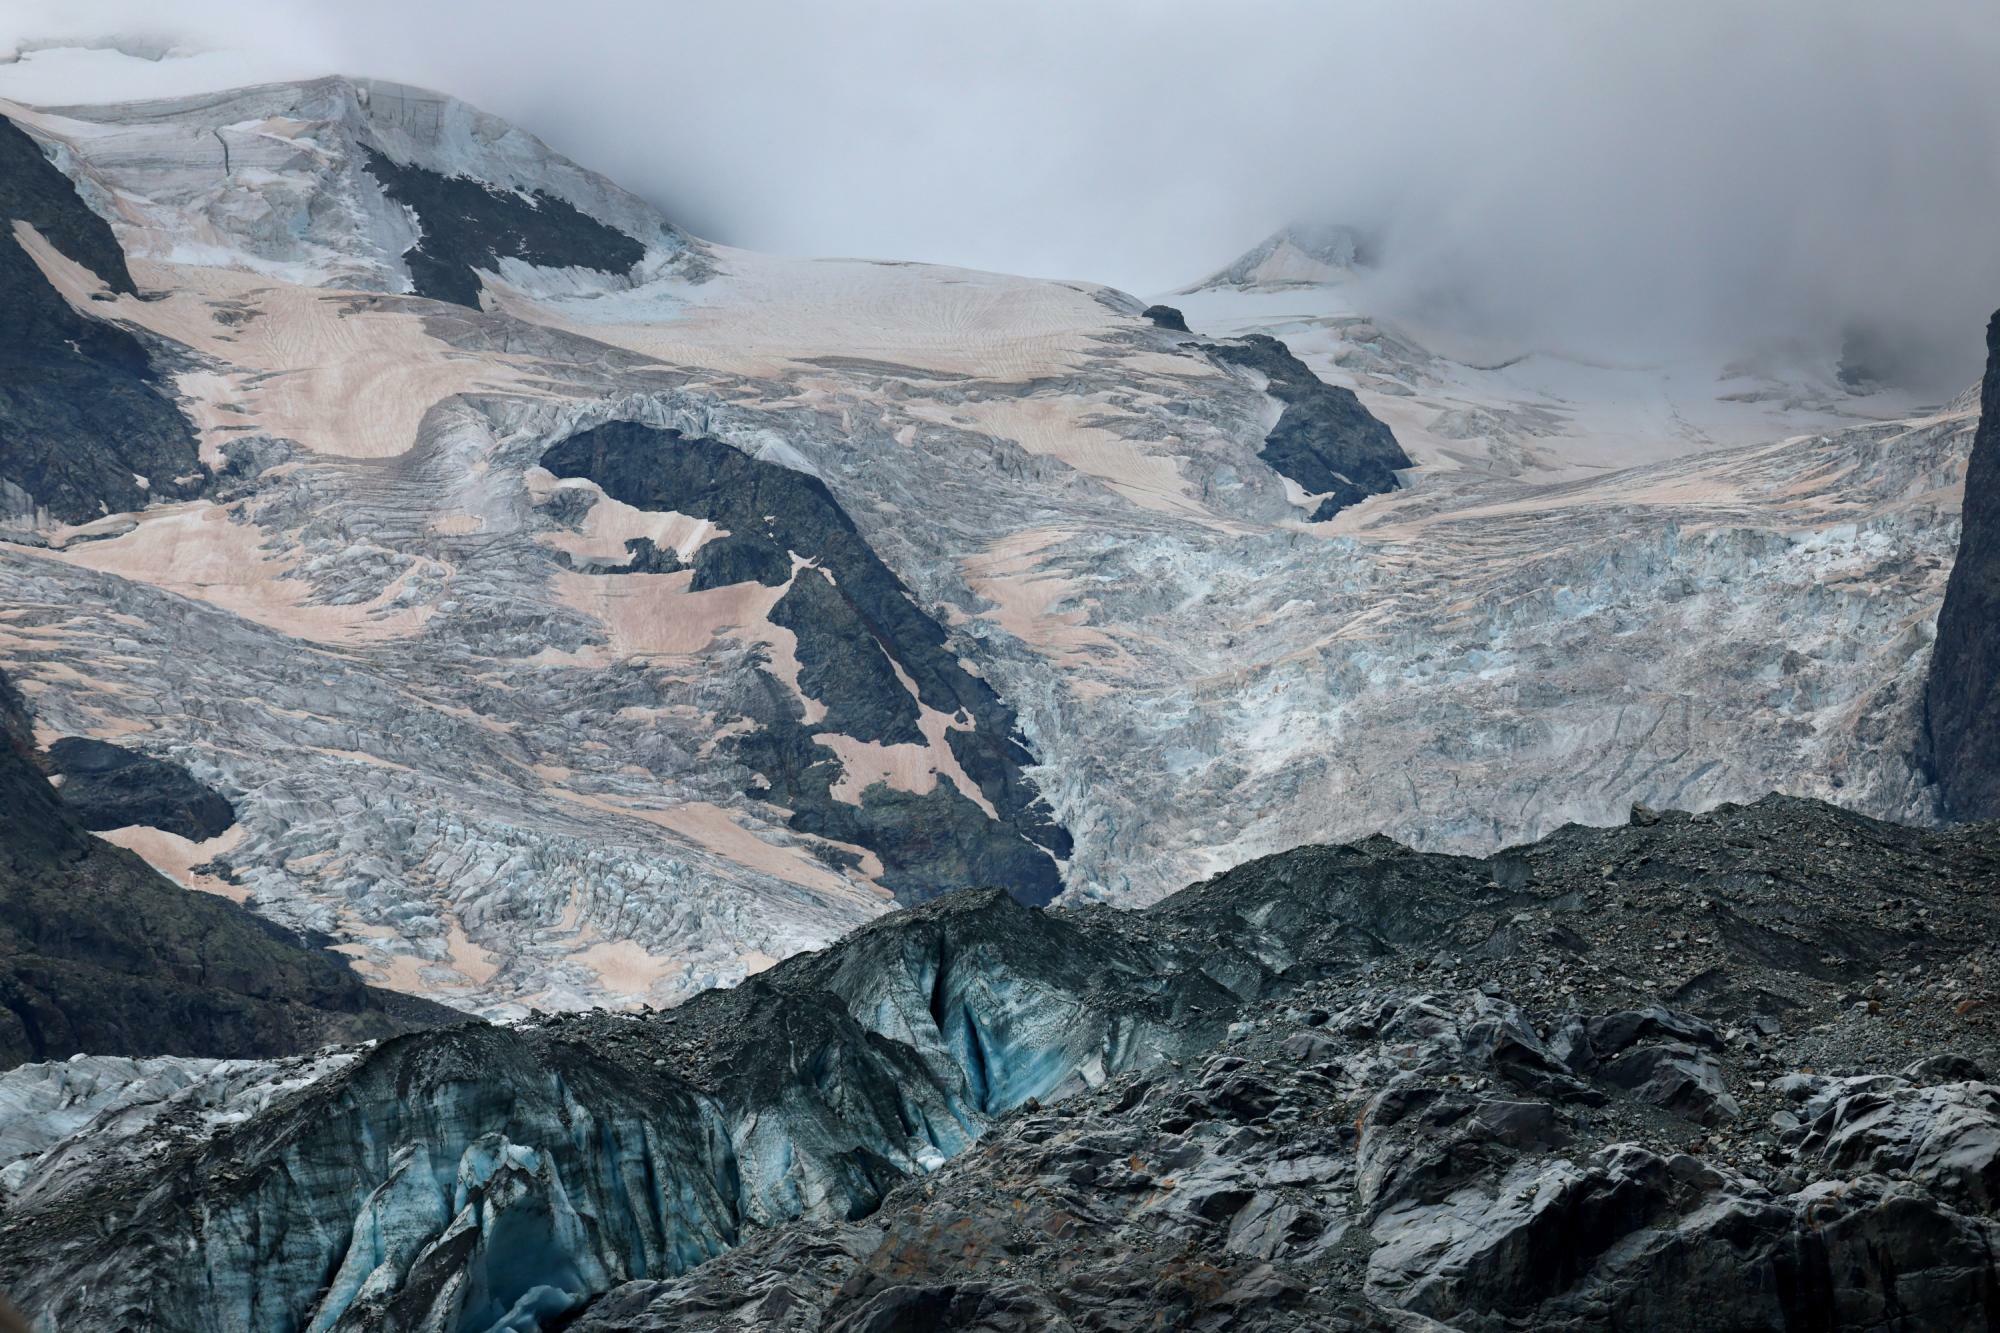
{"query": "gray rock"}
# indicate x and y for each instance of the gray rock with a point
(1681, 1079)
(1946, 1137)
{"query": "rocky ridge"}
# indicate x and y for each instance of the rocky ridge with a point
(468, 226)
(867, 660)
(1324, 439)
(1726, 1068)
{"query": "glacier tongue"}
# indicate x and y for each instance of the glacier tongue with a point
(484, 1177)
(489, 1177)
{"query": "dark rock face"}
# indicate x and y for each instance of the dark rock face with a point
(856, 628)
(641, 557)
(99, 953)
(1166, 317)
(1325, 440)
(81, 410)
(645, 558)
(741, 558)
(33, 191)
(1302, 1095)
(468, 224)
(107, 786)
(1962, 700)
(841, 662)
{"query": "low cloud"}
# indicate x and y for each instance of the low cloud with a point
(1627, 181)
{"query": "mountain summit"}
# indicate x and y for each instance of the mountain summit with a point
(1300, 255)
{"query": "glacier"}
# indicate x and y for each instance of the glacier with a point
(497, 769)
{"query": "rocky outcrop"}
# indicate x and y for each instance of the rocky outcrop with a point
(1962, 699)
(467, 225)
(868, 657)
(85, 428)
(108, 786)
(1325, 440)
(641, 557)
(99, 953)
(1256, 1190)
(1344, 1087)
(1165, 317)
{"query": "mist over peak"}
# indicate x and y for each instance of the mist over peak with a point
(1625, 181)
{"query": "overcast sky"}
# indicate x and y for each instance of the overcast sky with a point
(1612, 178)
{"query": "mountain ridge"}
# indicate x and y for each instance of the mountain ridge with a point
(1201, 1039)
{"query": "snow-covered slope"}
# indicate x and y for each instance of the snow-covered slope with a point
(1457, 400)
(521, 742)
(1295, 256)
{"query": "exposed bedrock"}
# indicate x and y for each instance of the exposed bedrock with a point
(1653, 1076)
(641, 557)
(1325, 440)
(867, 655)
(84, 427)
(468, 225)
(100, 953)
(1962, 699)
(107, 786)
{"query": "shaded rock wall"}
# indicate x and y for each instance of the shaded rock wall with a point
(1962, 699)
(107, 786)
(84, 426)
